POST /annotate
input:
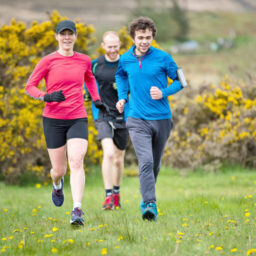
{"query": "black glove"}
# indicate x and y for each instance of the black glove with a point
(101, 106)
(55, 96)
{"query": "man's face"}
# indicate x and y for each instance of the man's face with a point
(111, 44)
(66, 39)
(143, 40)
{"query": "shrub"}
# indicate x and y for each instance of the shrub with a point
(213, 126)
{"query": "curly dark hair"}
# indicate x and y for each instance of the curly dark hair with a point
(142, 23)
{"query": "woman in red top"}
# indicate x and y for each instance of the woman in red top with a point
(64, 117)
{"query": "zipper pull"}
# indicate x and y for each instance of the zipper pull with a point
(140, 63)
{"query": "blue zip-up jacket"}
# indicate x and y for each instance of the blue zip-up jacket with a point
(137, 76)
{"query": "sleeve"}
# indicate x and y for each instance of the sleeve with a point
(91, 83)
(171, 71)
(37, 75)
(122, 82)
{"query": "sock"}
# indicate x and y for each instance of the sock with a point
(77, 204)
(116, 189)
(57, 187)
(108, 192)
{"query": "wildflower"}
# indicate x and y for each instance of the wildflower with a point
(67, 213)
(250, 251)
(100, 226)
(211, 246)
(54, 229)
(54, 250)
(32, 232)
(210, 233)
(104, 251)
(233, 249)
(47, 236)
(71, 241)
(11, 237)
(5, 210)
(117, 246)
(92, 229)
(38, 185)
(53, 241)
(219, 248)
(120, 238)
(34, 210)
(247, 214)
(4, 239)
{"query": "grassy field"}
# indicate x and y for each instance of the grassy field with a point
(199, 214)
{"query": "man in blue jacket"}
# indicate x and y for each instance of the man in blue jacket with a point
(111, 127)
(143, 72)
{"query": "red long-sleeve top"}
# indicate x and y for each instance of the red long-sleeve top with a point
(66, 73)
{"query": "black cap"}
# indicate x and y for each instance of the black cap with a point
(66, 24)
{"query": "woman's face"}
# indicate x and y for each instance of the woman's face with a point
(66, 39)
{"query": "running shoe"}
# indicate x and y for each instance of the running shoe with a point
(142, 206)
(58, 195)
(116, 201)
(150, 212)
(108, 203)
(76, 217)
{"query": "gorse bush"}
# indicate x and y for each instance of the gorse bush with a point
(213, 126)
(23, 147)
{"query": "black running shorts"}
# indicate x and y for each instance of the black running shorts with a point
(120, 136)
(58, 131)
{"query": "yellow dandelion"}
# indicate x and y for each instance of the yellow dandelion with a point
(247, 214)
(39, 206)
(117, 246)
(38, 185)
(211, 246)
(233, 249)
(32, 232)
(185, 219)
(88, 243)
(120, 238)
(178, 241)
(100, 226)
(11, 237)
(184, 224)
(250, 251)
(71, 241)
(92, 229)
(4, 239)
(16, 230)
(5, 210)
(100, 240)
(54, 250)
(210, 233)
(67, 213)
(48, 235)
(54, 229)
(180, 234)
(53, 241)
(34, 210)
(104, 251)
(219, 248)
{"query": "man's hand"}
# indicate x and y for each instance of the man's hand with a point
(55, 96)
(120, 105)
(156, 93)
(101, 106)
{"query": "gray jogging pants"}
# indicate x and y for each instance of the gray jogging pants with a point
(149, 139)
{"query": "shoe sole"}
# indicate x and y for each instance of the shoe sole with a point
(77, 222)
(59, 205)
(148, 215)
(108, 208)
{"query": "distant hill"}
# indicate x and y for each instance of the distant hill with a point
(110, 14)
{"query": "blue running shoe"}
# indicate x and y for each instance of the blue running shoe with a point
(76, 217)
(58, 195)
(150, 213)
(142, 206)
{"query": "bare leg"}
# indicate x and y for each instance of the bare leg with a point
(107, 162)
(76, 149)
(118, 166)
(59, 163)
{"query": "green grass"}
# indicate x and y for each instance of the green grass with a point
(197, 211)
